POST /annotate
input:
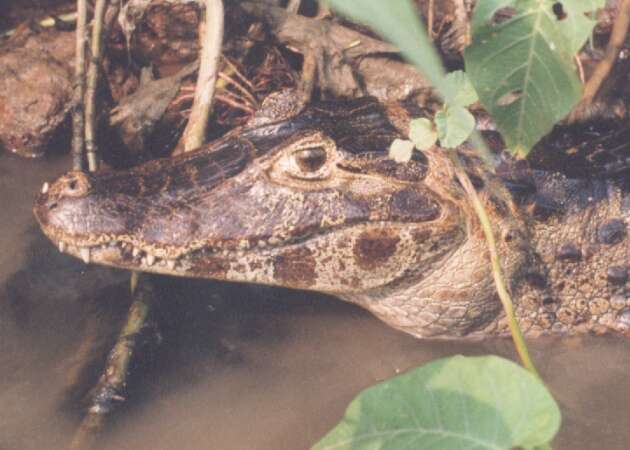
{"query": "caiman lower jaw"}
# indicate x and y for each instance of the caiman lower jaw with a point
(118, 254)
(200, 261)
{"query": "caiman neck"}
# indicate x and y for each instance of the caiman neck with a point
(578, 280)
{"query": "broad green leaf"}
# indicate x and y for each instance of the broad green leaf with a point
(523, 71)
(422, 133)
(464, 93)
(576, 26)
(400, 150)
(397, 21)
(453, 403)
(454, 124)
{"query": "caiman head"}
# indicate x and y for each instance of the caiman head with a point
(309, 201)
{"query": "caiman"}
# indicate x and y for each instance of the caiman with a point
(311, 200)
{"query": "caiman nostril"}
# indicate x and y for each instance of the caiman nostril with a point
(51, 205)
(74, 184)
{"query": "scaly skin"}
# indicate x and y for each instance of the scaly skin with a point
(311, 201)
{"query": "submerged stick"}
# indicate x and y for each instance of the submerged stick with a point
(211, 37)
(78, 119)
(111, 385)
(92, 84)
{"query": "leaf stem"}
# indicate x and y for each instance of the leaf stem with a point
(495, 260)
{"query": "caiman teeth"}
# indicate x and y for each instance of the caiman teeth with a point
(150, 259)
(170, 263)
(45, 187)
(85, 254)
(62, 246)
(135, 252)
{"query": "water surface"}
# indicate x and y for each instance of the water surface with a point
(228, 366)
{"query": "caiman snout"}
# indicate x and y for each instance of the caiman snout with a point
(71, 185)
(67, 212)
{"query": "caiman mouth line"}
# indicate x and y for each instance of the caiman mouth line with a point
(139, 254)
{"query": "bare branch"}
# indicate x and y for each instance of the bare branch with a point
(211, 36)
(603, 69)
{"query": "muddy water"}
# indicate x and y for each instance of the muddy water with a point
(227, 366)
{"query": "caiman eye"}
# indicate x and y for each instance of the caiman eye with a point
(310, 159)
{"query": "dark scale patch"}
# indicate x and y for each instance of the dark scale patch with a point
(411, 205)
(499, 205)
(612, 231)
(569, 252)
(536, 279)
(420, 236)
(617, 274)
(373, 248)
(295, 268)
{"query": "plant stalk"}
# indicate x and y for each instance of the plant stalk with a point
(92, 84)
(495, 261)
(78, 119)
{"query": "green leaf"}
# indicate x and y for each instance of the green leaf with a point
(464, 93)
(453, 403)
(576, 26)
(523, 71)
(422, 133)
(454, 125)
(400, 150)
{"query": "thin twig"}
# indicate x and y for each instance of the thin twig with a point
(211, 36)
(580, 66)
(92, 84)
(603, 69)
(233, 103)
(495, 260)
(78, 120)
(238, 73)
(238, 86)
(111, 385)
